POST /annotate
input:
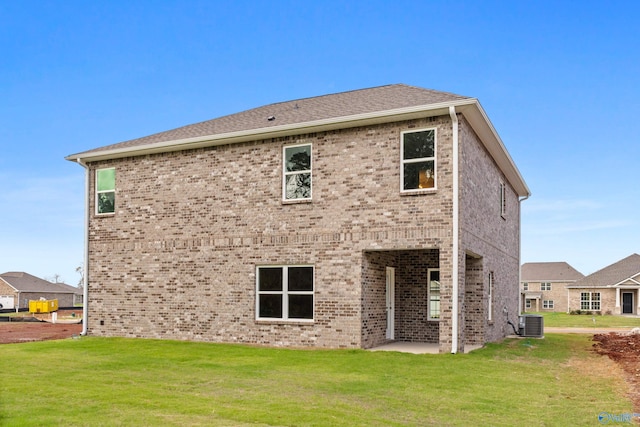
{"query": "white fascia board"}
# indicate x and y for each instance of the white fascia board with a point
(624, 283)
(365, 119)
(479, 121)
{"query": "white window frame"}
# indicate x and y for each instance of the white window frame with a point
(503, 199)
(429, 296)
(490, 297)
(99, 192)
(547, 304)
(525, 286)
(285, 292)
(545, 286)
(418, 160)
(527, 303)
(590, 301)
(286, 173)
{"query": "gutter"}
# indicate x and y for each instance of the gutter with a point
(85, 280)
(456, 244)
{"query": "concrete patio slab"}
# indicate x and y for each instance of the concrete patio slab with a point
(416, 347)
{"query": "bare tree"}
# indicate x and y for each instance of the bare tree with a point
(56, 278)
(80, 271)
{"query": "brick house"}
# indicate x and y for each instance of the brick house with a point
(18, 288)
(615, 289)
(341, 221)
(543, 286)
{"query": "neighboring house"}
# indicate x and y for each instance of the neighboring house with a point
(612, 290)
(544, 285)
(346, 220)
(18, 288)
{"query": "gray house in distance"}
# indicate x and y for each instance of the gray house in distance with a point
(18, 288)
(340, 221)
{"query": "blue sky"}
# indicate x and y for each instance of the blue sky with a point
(559, 80)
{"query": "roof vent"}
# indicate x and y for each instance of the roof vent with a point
(271, 118)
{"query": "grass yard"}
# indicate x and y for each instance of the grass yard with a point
(122, 382)
(588, 321)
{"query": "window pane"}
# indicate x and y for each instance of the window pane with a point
(418, 145)
(270, 279)
(301, 306)
(434, 309)
(301, 278)
(434, 276)
(298, 186)
(106, 179)
(419, 175)
(298, 158)
(107, 202)
(271, 306)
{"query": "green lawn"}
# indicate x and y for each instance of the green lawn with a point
(589, 321)
(123, 382)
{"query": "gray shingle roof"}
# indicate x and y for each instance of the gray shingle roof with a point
(344, 104)
(613, 274)
(549, 272)
(25, 282)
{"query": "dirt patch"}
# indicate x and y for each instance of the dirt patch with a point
(17, 332)
(624, 349)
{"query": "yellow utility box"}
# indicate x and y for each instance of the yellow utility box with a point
(46, 306)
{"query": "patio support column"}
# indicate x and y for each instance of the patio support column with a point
(618, 299)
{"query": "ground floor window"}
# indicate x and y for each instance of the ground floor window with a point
(434, 294)
(285, 292)
(590, 301)
(527, 304)
(547, 304)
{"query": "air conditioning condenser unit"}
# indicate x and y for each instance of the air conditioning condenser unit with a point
(531, 325)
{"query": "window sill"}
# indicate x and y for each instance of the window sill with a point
(285, 322)
(418, 192)
(104, 215)
(296, 201)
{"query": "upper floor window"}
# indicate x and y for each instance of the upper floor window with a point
(418, 162)
(296, 177)
(284, 293)
(503, 199)
(525, 286)
(545, 286)
(105, 191)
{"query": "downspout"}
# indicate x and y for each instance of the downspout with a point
(456, 220)
(520, 305)
(85, 279)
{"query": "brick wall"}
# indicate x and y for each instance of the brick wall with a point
(489, 239)
(178, 259)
